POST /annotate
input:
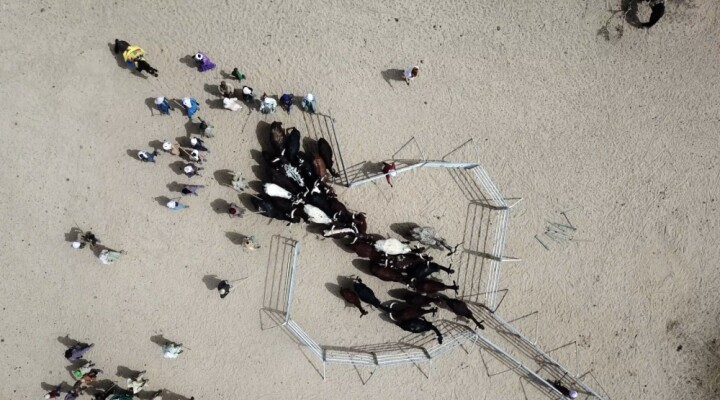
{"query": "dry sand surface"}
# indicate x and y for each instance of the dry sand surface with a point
(619, 127)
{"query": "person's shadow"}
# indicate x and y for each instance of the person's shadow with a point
(189, 61)
(211, 281)
(392, 74)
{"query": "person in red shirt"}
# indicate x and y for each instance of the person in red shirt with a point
(389, 170)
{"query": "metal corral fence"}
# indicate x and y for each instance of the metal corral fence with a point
(481, 192)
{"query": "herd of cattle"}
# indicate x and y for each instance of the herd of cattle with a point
(296, 189)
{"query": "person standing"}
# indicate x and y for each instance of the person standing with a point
(76, 351)
(172, 350)
(390, 170)
(567, 392)
(136, 384)
(237, 74)
(411, 73)
(145, 156)
(224, 288)
(198, 144)
(235, 211)
(54, 394)
(191, 170)
(191, 189)
(163, 105)
(191, 106)
(309, 104)
(173, 149)
(175, 205)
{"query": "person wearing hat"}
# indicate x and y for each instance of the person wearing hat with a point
(195, 156)
(226, 89)
(191, 106)
(89, 237)
(231, 103)
(175, 205)
(224, 287)
(390, 170)
(191, 189)
(191, 170)
(172, 350)
(173, 149)
(136, 384)
(203, 62)
(567, 392)
(144, 156)
(411, 73)
(55, 393)
(267, 104)
(251, 243)
(235, 211)
(163, 105)
(207, 130)
(198, 144)
(286, 101)
(308, 103)
(247, 93)
(76, 351)
(237, 74)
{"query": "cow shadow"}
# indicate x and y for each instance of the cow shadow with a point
(404, 229)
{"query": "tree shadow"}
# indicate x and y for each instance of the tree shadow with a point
(224, 177)
(235, 238)
(392, 74)
(220, 206)
(211, 281)
(189, 61)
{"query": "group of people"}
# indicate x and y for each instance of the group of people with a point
(88, 239)
(85, 374)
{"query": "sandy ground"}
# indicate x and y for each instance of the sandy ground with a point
(618, 130)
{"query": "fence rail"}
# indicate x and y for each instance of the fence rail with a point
(455, 334)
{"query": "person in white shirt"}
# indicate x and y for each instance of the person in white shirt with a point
(411, 73)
